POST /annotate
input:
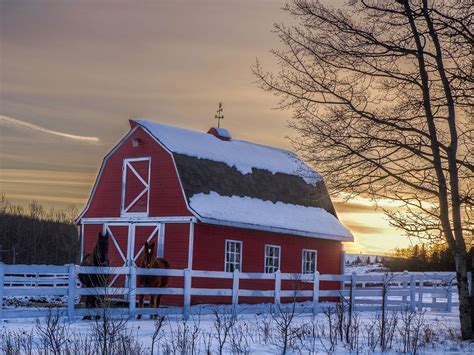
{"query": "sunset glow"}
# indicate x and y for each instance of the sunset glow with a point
(73, 77)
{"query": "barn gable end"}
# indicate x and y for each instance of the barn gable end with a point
(165, 192)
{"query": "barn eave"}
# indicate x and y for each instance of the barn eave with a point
(327, 236)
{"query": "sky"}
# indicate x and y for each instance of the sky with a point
(72, 73)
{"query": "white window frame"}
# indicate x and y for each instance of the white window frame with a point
(268, 256)
(228, 262)
(304, 270)
(124, 209)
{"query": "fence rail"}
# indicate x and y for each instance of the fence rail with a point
(366, 292)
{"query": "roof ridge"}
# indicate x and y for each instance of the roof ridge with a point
(244, 155)
(137, 120)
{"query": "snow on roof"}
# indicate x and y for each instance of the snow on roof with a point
(281, 217)
(236, 153)
(222, 132)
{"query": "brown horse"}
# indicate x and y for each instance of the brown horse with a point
(98, 257)
(149, 261)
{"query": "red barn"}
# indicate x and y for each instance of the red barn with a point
(211, 202)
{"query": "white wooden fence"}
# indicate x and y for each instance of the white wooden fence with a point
(416, 291)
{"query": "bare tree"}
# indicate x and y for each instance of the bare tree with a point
(382, 94)
(158, 333)
(223, 324)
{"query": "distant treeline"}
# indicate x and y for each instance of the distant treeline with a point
(33, 235)
(422, 258)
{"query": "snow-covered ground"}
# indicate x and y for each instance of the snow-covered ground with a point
(365, 269)
(263, 334)
(255, 332)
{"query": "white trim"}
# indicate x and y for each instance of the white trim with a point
(131, 244)
(101, 170)
(82, 242)
(138, 219)
(241, 253)
(303, 260)
(191, 245)
(274, 229)
(127, 164)
(265, 258)
(160, 247)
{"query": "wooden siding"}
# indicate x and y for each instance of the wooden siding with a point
(209, 254)
(166, 197)
(210, 240)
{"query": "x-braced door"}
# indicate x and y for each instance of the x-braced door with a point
(118, 250)
(136, 186)
(152, 233)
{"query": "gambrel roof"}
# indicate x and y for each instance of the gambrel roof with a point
(248, 185)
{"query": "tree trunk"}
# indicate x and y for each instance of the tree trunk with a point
(471, 255)
(463, 292)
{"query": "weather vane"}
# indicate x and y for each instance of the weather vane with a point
(219, 115)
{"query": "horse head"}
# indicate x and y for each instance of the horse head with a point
(102, 248)
(148, 249)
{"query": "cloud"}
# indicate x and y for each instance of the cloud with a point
(352, 207)
(18, 123)
(365, 229)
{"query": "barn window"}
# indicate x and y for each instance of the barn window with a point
(309, 260)
(233, 255)
(272, 258)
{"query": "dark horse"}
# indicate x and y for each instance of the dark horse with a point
(149, 261)
(98, 257)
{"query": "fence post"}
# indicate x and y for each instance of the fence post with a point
(277, 287)
(420, 294)
(412, 292)
(405, 287)
(353, 290)
(235, 291)
(316, 292)
(2, 284)
(187, 293)
(435, 288)
(343, 269)
(71, 291)
(132, 291)
(449, 301)
(385, 288)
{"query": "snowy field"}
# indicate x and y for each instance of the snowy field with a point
(264, 333)
(257, 329)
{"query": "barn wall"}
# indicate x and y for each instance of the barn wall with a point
(209, 250)
(166, 198)
(210, 240)
(176, 252)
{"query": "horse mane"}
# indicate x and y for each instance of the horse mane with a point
(167, 264)
(93, 258)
